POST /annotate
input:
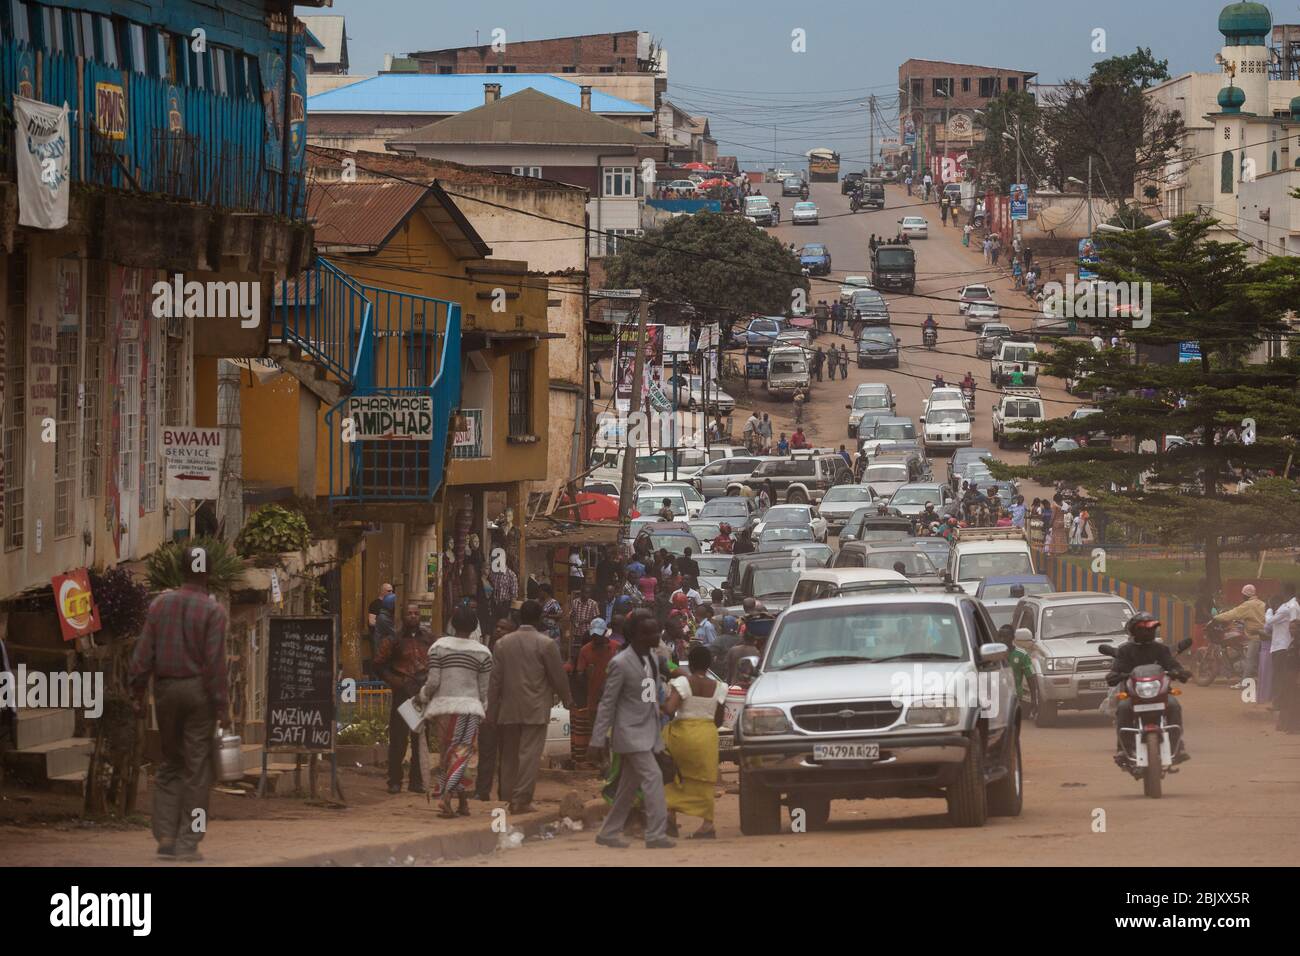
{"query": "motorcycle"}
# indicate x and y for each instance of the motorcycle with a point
(968, 393)
(1149, 742)
(1224, 653)
(930, 337)
(855, 202)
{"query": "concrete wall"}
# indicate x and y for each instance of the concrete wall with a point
(1271, 194)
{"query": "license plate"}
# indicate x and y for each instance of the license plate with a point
(846, 751)
(726, 742)
(1097, 685)
(1143, 708)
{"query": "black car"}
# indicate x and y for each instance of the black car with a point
(848, 182)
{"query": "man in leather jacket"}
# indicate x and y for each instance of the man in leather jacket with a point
(1143, 648)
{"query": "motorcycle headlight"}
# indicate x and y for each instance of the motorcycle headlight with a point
(933, 716)
(1146, 689)
(758, 721)
(1060, 665)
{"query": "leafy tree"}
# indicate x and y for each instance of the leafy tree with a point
(720, 265)
(1012, 114)
(1108, 117)
(1239, 415)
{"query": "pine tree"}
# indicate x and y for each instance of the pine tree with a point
(1236, 412)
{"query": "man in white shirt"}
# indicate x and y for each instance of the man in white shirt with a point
(1283, 659)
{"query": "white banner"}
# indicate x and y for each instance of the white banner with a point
(193, 458)
(42, 143)
(393, 417)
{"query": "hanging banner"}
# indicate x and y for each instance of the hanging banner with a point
(78, 615)
(271, 65)
(1019, 202)
(677, 339)
(41, 146)
(625, 362)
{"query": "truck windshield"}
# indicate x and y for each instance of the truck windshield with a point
(788, 367)
(873, 632)
(895, 258)
(977, 567)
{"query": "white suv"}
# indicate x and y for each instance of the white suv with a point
(891, 695)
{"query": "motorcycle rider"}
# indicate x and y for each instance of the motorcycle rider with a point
(723, 543)
(968, 383)
(939, 382)
(803, 191)
(1143, 648)
(1249, 612)
(922, 522)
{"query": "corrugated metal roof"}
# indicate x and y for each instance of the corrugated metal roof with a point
(361, 214)
(527, 117)
(455, 93)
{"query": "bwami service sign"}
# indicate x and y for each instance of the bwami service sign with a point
(193, 457)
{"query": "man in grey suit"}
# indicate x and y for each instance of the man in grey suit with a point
(628, 721)
(527, 674)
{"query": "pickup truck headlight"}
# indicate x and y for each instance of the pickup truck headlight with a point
(926, 716)
(1060, 665)
(760, 721)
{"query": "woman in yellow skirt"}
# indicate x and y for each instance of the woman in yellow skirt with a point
(695, 704)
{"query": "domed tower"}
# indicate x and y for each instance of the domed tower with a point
(1246, 27)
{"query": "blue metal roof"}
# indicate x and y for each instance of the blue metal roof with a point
(454, 93)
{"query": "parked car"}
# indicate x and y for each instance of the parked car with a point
(689, 390)
(801, 480)
(726, 476)
(821, 584)
(840, 502)
(792, 516)
(877, 345)
(1001, 594)
(759, 333)
(814, 256)
(910, 499)
(914, 227)
(804, 214)
(1061, 631)
(791, 186)
(980, 314)
(683, 185)
(992, 334)
(975, 292)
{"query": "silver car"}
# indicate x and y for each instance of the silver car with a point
(841, 707)
(725, 476)
(1061, 632)
(839, 503)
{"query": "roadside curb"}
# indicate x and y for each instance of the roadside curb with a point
(448, 846)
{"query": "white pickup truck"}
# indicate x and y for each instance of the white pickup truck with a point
(979, 553)
(1016, 408)
(1011, 354)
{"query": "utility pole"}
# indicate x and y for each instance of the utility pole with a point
(1090, 195)
(1019, 151)
(871, 151)
(627, 488)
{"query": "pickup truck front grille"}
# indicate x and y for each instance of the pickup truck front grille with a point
(1093, 664)
(850, 715)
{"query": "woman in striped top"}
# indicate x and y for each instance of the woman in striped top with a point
(455, 696)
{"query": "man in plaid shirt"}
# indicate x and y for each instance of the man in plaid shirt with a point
(183, 647)
(583, 609)
(505, 590)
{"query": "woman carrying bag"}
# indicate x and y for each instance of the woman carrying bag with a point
(695, 703)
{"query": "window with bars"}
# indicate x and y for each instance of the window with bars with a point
(149, 433)
(174, 412)
(129, 419)
(15, 406)
(65, 435)
(521, 393)
(92, 406)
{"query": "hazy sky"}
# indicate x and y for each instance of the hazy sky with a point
(735, 63)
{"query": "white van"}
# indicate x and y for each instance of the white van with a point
(979, 553)
(787, 371)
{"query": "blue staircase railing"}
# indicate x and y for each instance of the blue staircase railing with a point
(326, 313)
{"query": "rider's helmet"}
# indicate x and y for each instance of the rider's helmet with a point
(1142, 627)
(724, 528)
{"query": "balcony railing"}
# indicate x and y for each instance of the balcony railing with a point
(155, 137)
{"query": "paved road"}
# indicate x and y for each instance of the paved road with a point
(1234, 803)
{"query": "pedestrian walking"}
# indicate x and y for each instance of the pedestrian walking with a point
(695, 703)
(589, 677)
(1285, 668)
(505, 590)
(844, 362)
(943, 211)
(627, 724)
(583, 609)
(765, 430)
(402, 664)
(454, 698)
(908, 182)
(988, 249)
(956, 213)
(526, 674)
(818, 358)
(966, 230)
(489, 758)
(183, 649)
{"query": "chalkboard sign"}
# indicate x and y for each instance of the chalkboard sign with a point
(300, 682)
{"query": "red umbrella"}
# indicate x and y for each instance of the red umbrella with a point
(597, 507)
(698, 167)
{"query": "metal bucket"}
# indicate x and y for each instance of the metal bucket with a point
(227, 757)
